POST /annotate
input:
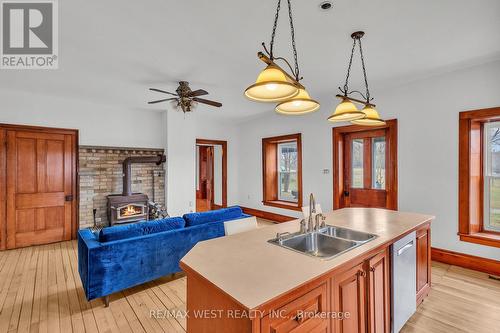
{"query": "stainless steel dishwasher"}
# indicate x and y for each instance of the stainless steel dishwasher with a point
(404, 276)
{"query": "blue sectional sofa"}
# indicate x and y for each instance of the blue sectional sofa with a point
(124, 256)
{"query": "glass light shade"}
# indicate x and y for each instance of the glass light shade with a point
(346, 111)
(272, 85)
(371, 117)
(300, 104)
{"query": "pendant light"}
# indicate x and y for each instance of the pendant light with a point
(275, 85)
(300, 104)
(347, 110)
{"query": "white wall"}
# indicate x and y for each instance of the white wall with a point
(427, 112)
(98, 124)
(182, 132)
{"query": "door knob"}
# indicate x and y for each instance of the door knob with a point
(346, 193)
(68, 198)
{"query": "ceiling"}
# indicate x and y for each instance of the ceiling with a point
(112, 51)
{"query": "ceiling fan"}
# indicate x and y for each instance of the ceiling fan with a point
(185, 97)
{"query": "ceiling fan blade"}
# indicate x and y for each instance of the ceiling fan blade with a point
(162, 100)
(199, 92)
(206, 101)
(163, 91)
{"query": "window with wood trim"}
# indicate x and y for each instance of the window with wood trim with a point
(282, 171)
(479, 176)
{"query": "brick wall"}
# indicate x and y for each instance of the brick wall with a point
(101, 174)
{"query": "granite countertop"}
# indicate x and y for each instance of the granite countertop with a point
(252, 271)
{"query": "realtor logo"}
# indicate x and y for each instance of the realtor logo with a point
(29, 35)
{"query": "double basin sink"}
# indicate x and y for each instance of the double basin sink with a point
(326, 243)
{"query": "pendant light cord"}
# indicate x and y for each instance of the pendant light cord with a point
(364, 72)
(346, 84)
(294, 48)
(271, 46)
(296, 71)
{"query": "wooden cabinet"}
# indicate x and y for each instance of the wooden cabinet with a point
(379, 294)
(300, 315)
(353, 298)
(363, 291)
(349, 296)
(423, 262)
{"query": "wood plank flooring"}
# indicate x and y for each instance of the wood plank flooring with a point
(41, 291)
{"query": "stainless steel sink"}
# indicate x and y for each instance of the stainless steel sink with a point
(353, 235)
(316, 245)
(326, 243)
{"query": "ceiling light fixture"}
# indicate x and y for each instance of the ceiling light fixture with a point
(274, 84)
(347, 110)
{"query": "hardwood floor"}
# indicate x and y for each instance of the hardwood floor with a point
(40, 291)
(460, 300)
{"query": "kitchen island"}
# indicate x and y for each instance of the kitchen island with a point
(242, 283)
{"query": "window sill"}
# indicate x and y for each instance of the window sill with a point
(483, 238)
(283, 204)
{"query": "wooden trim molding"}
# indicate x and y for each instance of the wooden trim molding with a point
(480, 264)
(278, 218)
(338, 146)
(224, 164)
(270, 171)
(470, 177)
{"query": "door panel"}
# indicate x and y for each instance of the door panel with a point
(349, 296)
(40, 182)
(365, 166)
(379, 293)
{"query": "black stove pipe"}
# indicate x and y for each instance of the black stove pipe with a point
(127, 169)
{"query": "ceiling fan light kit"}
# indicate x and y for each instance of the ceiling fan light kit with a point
(185, 97)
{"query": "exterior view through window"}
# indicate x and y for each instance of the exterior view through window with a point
(287, 169)
(491, 162)
(282, 171)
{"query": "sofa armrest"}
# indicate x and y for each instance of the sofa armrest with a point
(87, 242)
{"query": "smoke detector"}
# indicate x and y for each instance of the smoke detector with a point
(326, 5)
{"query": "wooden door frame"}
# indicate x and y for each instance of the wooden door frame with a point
(224, 164)
(338, 162)
(3, 174)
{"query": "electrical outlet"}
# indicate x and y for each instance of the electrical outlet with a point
(190, 204)
(326, 171)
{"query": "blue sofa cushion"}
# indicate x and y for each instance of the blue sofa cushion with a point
(140, 229)
(219, 215)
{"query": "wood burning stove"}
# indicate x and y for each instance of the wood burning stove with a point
(130, 207)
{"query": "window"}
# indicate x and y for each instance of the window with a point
(282, 174)
(378, 161)
(491, 162)
(479, 177)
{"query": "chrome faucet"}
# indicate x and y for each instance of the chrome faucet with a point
(312, 210)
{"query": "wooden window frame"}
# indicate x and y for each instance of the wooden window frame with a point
(471, 178)
(270, 171)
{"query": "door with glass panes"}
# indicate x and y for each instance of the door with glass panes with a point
(367, 172)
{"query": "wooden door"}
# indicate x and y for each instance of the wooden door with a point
(379, 295)
(365, 166)
(40, 187)
(348, 290)
(423, 262)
